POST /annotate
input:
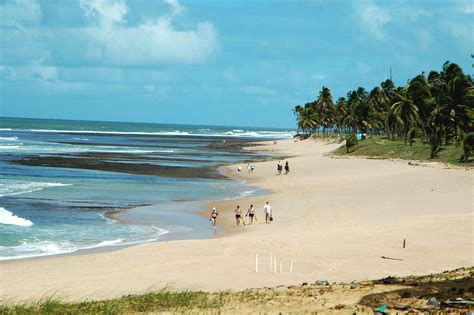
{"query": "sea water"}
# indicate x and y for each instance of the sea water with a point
(63, 184)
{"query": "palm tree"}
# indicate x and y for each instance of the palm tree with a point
(405, 112)
(297, 112)
(419, 91)
(308, 119)
(325, 108)
(340, 113)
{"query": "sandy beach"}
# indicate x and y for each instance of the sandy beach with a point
(334, 217)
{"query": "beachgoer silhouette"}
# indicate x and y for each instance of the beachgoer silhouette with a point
(267, 209)
(251, 214)
(214, 214)
(287, 168)
(279, 167)
(238, 216)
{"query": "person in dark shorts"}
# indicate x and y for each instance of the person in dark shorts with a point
(279, 167)
(251, 214)
(238, 216)
(287, 167)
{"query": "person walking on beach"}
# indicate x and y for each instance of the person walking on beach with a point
(252, 167)
(287, 168)
(238, 216)
(279, 167)
(251, 214)
(267, 209)
(239, 169)
(249, 167)
(214, 214)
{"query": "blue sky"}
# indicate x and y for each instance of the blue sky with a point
(215, 62)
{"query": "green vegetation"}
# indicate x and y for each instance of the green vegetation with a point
(150, 302)
(351, 141)
(383, 147)
(401, 294)
(468, 147)
(437, 108)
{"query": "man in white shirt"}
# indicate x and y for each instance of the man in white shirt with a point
(267, 209)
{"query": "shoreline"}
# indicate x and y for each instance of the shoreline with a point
(334, 217)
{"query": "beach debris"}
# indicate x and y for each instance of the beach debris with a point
(459, 301)
(391, 258)
(355, 286)
(388, 280)
(304, 284)
(321, 282)
(433, 302)
(381, 310)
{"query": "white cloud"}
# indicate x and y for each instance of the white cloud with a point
(108, 12)
(230, 75)
(318, 77)
(176, 7)
(466, 6)
(20, 13)
(373, 18)
(155, 40)
(108, 40)
(33, 72)
(258, 90)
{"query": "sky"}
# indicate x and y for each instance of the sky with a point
(239, 63)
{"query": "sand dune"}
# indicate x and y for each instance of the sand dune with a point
(334, 217)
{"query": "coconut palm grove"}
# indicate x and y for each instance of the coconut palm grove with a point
(436, 109)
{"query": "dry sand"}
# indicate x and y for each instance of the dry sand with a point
(334, 217)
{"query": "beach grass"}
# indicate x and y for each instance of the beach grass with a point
(384, 148)
(156, 301)
(406, 293)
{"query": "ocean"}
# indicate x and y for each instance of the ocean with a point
(67, 186)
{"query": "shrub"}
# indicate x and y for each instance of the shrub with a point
(468, 147)
(412, 134)
(351, 141)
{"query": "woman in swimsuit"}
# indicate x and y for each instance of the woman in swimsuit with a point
(251, 214)
(238, 215)
(214, 214)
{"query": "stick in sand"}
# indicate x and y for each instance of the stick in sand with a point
(383, 257)
(271, 260)
(256, 262)
(291, 266)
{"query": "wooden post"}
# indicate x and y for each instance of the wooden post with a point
(280, 266)
(275, 266)
(256, 262)
(404, 243)
(291, 266)
(271, 260)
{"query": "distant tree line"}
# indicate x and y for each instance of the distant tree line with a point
(438, 108)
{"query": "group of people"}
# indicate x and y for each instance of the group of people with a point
(251, 214)
(280, 167)
(251, 167)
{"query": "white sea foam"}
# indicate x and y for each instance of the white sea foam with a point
(10, 187)
(203, 132)
(8, 139)
(48, 248)
(7, 217)
(242, 195)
